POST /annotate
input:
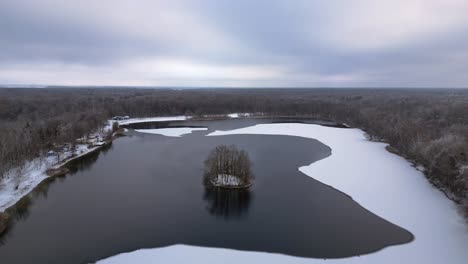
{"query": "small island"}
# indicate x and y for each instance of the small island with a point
(228, 167)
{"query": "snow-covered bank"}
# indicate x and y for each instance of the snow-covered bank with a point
(172, 132)
(18, 183)
(382, 182)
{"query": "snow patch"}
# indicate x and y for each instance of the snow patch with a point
(238, 115)
(172, 131)
(226, 180)
(151, 119)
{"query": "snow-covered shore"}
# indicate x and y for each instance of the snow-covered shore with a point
(383, 183)
(18, 183)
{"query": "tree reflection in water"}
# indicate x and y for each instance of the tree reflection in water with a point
(227, 203)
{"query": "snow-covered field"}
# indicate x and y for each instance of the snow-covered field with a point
(382, 182)
(172, 132)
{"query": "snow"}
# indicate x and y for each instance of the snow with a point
(20, 182)
(172, 131)
(226, 180)
(383, 183)
(167, 118)
(13, 188)
(202, 255)
(151, 119)
(238, 115)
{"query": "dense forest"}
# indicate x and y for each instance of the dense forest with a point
(427, 126)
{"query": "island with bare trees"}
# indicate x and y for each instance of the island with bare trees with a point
(228, 167)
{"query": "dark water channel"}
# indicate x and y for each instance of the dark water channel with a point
(146, 191)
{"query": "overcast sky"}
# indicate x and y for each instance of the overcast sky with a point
(263, 43)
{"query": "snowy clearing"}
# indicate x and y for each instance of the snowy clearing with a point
(172, 132)
(383, 183)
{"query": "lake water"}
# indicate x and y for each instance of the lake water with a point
(146, 191)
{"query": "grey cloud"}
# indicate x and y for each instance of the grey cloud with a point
(291, 35)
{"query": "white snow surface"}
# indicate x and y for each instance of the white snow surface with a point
(238, 115)
(151, 119)
(13, 188)
(172, 131)
(167, 118)
(227, 180)
(383, 183)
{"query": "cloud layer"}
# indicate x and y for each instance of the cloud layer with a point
(263, 43)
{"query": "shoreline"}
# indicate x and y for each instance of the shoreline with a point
(53, 171)
(308, 169)
(57, 170)
(47, 172)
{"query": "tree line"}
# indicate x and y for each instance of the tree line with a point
(427, 126)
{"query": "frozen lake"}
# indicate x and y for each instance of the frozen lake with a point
(146, 191)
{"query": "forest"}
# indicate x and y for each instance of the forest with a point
(429, 127)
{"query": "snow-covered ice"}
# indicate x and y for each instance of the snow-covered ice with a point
(169, 118)
(172, 131)
(383, 183)
(151, 119)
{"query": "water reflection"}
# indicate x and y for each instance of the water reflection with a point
(83, 164)
(227, 203)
